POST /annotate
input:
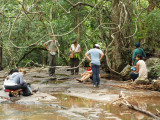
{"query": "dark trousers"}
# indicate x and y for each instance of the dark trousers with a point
(95, 75)
(52, 63)
(133, 76)
(74, 63)
(16, 87)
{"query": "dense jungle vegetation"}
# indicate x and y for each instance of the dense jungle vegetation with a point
(114, 24)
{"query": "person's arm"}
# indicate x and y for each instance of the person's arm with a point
(87, 57)
(70, 49)
(21, 79)
(133, 58)
(102, 55)
(137, 67)
(79, 49)
(57, 46)
(46, 47)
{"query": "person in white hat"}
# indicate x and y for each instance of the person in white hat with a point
(96, 57)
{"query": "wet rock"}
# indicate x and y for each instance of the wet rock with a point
(156, 84)
(142, 81)
(153, 66)
(125, 72)
(36, 98)
(105, 75)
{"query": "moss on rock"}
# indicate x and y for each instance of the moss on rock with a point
(153, 66)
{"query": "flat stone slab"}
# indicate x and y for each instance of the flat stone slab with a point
(36, 98)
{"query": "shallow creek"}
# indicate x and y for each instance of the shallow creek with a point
(67, 107)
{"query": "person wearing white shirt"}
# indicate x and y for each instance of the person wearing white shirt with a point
(75, 49)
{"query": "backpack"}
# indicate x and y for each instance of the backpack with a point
(28, 91)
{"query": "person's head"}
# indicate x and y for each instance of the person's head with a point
(96, 46)
(22, 71)
(74, 42)
(13, 71)
(139, 57)
(54, 38)
(137, 44)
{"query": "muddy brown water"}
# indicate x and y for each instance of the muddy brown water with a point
(75, 108)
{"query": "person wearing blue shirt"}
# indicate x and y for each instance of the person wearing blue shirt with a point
(96, 56)
(15, 81)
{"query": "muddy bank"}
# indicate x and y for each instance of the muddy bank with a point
(65, 98)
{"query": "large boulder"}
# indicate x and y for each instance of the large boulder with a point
(142, 81)
(156, 84)
(153, 66)
(125, 72)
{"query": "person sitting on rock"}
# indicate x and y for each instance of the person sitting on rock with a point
(141, 69)
(86, 75)
(15, 81)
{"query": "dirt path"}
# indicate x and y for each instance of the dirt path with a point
(65, 98)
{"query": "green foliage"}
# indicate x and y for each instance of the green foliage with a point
(154, 72)
(153, 25)
(31, 28)
(153, 68)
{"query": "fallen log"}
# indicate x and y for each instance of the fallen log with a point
(130, 106)
(133, 107)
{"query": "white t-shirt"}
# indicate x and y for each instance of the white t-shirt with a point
(75, 49)
(142, 69)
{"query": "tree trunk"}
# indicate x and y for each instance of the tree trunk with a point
(121, 34)
(116, 50)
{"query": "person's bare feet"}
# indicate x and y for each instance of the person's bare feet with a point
(35, 90)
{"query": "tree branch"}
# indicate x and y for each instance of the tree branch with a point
(79, 3)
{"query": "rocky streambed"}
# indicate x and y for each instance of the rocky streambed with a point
(63, 98)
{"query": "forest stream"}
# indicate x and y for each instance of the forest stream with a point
(64, 98)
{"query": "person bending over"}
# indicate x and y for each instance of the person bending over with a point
(15, 81)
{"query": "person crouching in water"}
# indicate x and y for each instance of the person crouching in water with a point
(15, 81)
(86, 75)
(141, 69)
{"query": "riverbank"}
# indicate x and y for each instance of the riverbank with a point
(70, 100)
